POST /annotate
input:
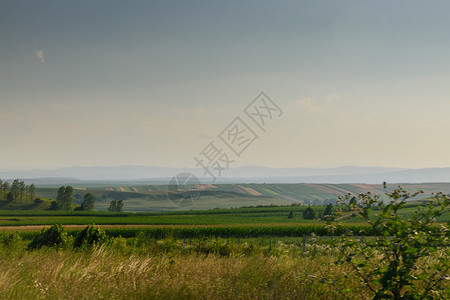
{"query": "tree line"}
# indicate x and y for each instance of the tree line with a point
(64, 200)
(18, 191)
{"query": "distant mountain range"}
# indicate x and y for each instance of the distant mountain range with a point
(246, 174)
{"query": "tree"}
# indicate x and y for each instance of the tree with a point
(9, 197)
(32, 192)
(54, 205)
(309, 213)
(112, 206)
(5, 189)
(88, 202)
(115, 206)
(328, 210)
(22, 188)
(68, 197)
(291, 215)
(60, 198)
(15, 189)
(38, 201)
(64, 197)
(119, 205)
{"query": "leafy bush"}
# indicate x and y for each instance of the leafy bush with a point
(400, 245)
(215, 246)
(9, 239)
(54, 205)
(90, 236)
(309, 213)
(38, 201)
(54, 236)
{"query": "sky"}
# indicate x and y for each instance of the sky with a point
(107, 83)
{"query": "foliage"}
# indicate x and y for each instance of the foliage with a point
(214, 246)
(9, 239)
(38, 201)
(90, 236)
(309, 213)
(328, 210)
(115, 206)
(54, 205)
(400, 245)
(291, 215)
(54, 236)
(65, 197)
(88, 202)
(9, 197)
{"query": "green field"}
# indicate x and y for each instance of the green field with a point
(247, 252)
(153, 198)
(272, 215)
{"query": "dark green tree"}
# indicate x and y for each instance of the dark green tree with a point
(328, 210)
(88, 202)
(119, 205)
(5, 189)
(291, 215)
(115, 206)
(15, 189)
(68, 197)
(32, 192)
(38, 201)
(64, 197)
(9, 197)
(54, 205)
(60, 198)
(309, 213)
(112, 206)
(22, 189)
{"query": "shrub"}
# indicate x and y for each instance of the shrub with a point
(54, 205)
(309, 213)
(38, 201)
(399, 246)
(90, 236)
(9, 239)
(54, 236)
(216, 246)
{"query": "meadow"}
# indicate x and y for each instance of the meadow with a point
(264, 252)
(142, 267)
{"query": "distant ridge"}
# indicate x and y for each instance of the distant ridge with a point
(256, 174)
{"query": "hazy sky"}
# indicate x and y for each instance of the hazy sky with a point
(101, 83)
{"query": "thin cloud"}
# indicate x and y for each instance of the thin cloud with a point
(333, 97)
(40, 55)
(308, 103)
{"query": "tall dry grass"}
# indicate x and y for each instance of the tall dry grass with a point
(104, 273)
(172, 270)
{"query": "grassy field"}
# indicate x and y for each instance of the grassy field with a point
(204, 268)
(154, 197)
(241, 216)
(239, 253)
